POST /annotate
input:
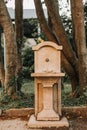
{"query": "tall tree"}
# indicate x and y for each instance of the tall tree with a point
(11, 52)
(2, 72)
(79, 39)
(19, 37)
(70, 60)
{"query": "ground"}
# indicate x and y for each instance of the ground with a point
(78, 124)
(17, 119)
(19, 124)
(13, 124)
(77, 116)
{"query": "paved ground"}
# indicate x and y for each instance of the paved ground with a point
(13, 124)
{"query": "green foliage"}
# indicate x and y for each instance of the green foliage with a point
(6, 98)
(22, 101)
(30, 28)
(25, 98)
(67, 22)
(28, 86)
(11, 81)
(28, 62)
(68, 100)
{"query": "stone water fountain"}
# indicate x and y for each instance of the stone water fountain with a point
(47, 77)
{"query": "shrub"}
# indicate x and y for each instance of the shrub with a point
(28, 62)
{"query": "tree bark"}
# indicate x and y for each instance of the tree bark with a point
(19, 37)
(2, 72)
(10, 71)
(66, 65)
(60, 33)
(80, 39)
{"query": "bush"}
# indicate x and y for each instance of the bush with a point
(28, 62)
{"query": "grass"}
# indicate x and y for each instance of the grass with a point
(26, 97)
(67, 100)
(67, 88)
(28, 87)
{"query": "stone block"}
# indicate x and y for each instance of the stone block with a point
(19, 112)
(33, 124)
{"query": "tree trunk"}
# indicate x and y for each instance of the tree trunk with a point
(2, 72)
(19, 37)
(74, 62)
(5, 21)
(80, 39)
(47, 30)
(61, 34)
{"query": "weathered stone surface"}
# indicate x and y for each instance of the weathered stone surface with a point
(47, 73)
(34, 124)
(46, 54)
(19, 112)
(76, 110)
(47, 88)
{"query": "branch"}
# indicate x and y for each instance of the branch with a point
(65, 63)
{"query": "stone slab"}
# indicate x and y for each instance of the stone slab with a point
(19, 112)
(48, 125)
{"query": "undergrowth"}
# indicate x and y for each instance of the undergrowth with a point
(26, 97)
(68, 100)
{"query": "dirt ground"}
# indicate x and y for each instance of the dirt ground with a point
(78, 124)
(13, 124)
(19, 124)
(9, 122)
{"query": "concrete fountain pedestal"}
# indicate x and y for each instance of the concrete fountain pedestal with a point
(48, 88)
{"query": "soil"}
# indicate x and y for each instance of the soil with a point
(21, 123)
(13, 124)
(78, 122)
